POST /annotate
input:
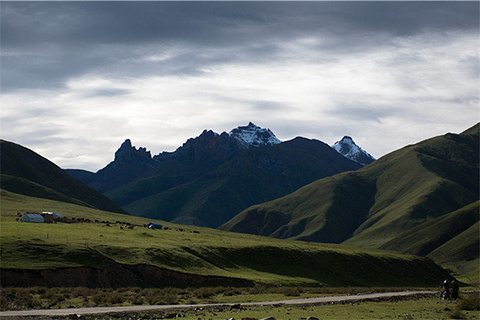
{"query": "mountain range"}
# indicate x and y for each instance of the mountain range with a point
(421, 199)
(212, 177)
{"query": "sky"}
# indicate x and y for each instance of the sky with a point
(78, 78)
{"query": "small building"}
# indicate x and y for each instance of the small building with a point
(55, 215)
(153, 225)
(33, 217)
(51, 216)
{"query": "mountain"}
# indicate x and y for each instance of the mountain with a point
(129, 163)
(252, 135)
(26, 172)
(253, 176)
(385, 204)
(195, 157)
(214, 176)
(349, 149)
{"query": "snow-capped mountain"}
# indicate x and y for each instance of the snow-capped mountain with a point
(350, 150)
(253, 135)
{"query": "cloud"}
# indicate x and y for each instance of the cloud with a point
(91, 74)
(52, 42)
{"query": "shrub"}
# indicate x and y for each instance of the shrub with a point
(258, 289)
(170, 298)
(291, 292)
(114, 298)
(204, 292)
(57, 298)
(137, 300)
(99, 298)
(232, 292)
(155, 297)
(469, 301)
(457, 314)
(34, 302)
(4, 303)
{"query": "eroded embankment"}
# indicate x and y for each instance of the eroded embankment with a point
(114, 275)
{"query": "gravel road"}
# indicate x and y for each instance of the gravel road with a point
(98, 310)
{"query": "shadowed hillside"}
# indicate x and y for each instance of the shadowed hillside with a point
(405, 189)
(25, 172)
(253, 176)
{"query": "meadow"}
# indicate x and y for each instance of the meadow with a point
(194, 250)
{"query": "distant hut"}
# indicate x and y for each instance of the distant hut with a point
(47, 216)
(33, 217)
(55, 215)
(51, 216)
(153, 225)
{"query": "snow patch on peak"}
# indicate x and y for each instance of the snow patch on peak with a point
(350, 150)
(253, 135)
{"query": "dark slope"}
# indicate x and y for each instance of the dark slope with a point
(194, 159)
(32, 189)
(253, 176)
(379, 202)
(25, 172)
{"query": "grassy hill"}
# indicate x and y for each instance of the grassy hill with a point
(26, 172)
(378, 203)
(141, 257)
(429, 236)
(251, 177)
(451, 240)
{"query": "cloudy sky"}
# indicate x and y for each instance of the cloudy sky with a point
(78, 78)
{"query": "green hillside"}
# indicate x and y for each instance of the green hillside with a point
(378, 203)
(429, 236)
(26, 172)
(78, 249)
(461, 254)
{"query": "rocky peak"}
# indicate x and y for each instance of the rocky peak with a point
(127, 153)
(253, 135)
(350, 150)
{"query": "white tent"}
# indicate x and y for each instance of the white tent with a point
(33, 217)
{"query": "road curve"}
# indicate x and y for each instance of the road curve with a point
(98, 310)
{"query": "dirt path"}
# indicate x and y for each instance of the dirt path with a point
(97, 310)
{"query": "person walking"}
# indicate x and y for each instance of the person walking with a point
(455, 290)
(445, 287)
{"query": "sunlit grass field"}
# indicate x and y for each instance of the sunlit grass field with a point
(192, 250)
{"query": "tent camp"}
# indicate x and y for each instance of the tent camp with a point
(33, 217)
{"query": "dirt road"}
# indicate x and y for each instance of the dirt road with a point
(98, 310)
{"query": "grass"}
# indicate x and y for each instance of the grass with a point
(405, 308)
(430, 235)
(195, 250)
(14, 298)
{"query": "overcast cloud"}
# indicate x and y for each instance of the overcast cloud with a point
(78, 78)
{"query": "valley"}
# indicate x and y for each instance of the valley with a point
(365, 228)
